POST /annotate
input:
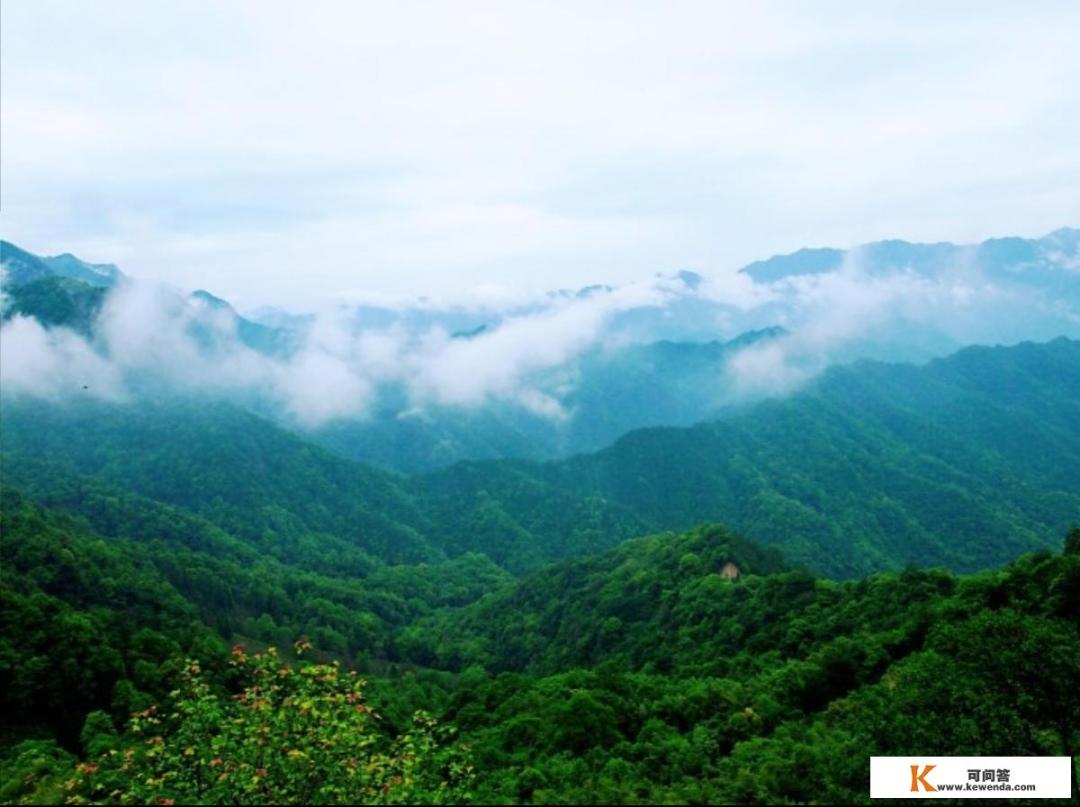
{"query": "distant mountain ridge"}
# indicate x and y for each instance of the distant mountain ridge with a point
(25, 267)
(995, 254)
(664, 358)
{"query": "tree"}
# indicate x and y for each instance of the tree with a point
(98, 734)
(298, 734)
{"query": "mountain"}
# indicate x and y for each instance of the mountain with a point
(613, 391)
(65, 291)
(736, 610)
(692, 667)
(56, 301)
(249, 478)
(21, 266)
(698, 668)
(24, 267)
(662, 365)
(421, 386)
(278, 495)
(264, 339)
(803, 262)
(98, 599)
(104, 275)
(966, 462)
(1016, 258)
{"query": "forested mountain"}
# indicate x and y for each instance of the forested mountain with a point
(279, 495)
(613, 391)
(693, 667)
(648, 675)
(675, 667)
(57, 301)
(1038, 257)
(23, 267)
(152, 576)
(965, 462)
(248, 477)
(416, 387)
(66, 292)
(574, 630)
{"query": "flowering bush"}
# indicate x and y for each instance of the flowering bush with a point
(293, 735)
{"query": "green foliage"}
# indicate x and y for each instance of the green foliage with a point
(300, 734)
(639, 675)
(774, 688)
(677, 667)
(92, 622)
(33, 772)
(56, 301)
(98, 734)
(966, 463)
(1072, 542)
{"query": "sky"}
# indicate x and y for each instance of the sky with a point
(284, 153)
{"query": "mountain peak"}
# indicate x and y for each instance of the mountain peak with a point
(95, 274)
(211, 300)
(25, 267)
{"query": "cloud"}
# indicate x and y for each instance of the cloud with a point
(151, 336)
(56, 364)
(892, 311)
(277, 156)
(528, 355)
(499, 363)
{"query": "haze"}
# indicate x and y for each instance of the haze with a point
(285, 154)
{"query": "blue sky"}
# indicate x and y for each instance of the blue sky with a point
(284, 153)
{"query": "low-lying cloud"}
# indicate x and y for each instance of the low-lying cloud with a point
(861, 310)
(151, 337)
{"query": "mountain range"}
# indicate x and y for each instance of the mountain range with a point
(698, 552)
(419, 388)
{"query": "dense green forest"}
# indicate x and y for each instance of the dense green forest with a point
(54, 300)
(965, 462)
(499, 631)
(685, 667)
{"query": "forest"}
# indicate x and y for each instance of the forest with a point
(645, 673)
(494, 403)
(201, 605)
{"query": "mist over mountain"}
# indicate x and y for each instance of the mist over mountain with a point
(178, 477)
(965, 462)
(420, 385)
(539, 403)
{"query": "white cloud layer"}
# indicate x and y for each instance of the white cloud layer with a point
(148, 335)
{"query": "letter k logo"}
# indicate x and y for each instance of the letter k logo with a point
(917, 777)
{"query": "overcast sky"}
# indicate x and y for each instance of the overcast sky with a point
(285, 152)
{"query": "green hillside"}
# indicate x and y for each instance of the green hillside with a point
(655, 672)
(965, 462)
(646, 676)
(556, 657)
